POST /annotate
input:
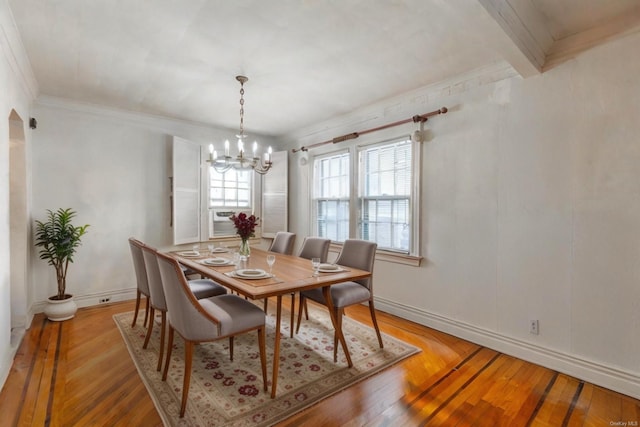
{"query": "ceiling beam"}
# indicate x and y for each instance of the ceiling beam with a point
(526, 28)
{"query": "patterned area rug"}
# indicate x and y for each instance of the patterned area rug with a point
(225, 393)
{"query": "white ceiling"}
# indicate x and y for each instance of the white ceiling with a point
(307, 60)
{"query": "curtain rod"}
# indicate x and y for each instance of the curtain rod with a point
(415, 119)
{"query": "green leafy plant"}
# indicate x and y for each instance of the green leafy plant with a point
(58, 240)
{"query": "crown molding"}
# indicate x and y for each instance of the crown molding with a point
(569, 47)
(166, 124)
(404, 105)
(15, 53)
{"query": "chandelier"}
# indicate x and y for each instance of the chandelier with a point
(259, 163)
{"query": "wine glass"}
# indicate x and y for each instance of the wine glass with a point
(271, 259)
(196, 249)
(315, 262)
(211, 247)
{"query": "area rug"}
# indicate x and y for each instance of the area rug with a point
(226, 393)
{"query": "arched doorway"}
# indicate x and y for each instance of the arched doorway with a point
(18, 226)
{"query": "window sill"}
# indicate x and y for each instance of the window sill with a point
(387, 256)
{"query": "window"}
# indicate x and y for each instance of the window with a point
(385, 195)
(383, 208)
(231, 189)
(331, 196)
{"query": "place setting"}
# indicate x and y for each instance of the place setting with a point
(216, 262)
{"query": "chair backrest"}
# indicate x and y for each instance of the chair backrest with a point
(185, 313)
(138, 265)
(358, 254)
(158, 300)
(315, 247)
(283, 243)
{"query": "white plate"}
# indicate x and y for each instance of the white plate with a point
(219, 250)
(251, 273)
(189, 254)
(215, 261)
(329, 268)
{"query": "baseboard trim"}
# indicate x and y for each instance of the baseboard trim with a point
(89, 300)
(612, 378)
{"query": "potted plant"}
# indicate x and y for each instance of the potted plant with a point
(58, 240)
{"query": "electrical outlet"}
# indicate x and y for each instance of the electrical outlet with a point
(104, 300)
(534, 327)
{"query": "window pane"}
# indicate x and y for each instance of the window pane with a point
(331, 196)
(229, 189)
(386, 192)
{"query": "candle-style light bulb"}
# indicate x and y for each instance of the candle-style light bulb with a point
(269, 151)
(240, 147)
(210, 151)
(255, 148)
(215, 155)
(226, 148)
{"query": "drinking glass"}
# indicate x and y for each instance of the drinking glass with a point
(271, 259)
(211, 247)
(315, 262)
(196, 249)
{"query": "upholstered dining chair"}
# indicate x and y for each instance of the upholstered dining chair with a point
(358, 254)
(312, 247)
(208, 319)
(141, 280)
(200, 288)
(282, 243)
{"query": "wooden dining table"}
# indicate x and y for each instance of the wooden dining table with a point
(290, 274)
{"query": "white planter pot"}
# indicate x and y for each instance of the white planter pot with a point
(58, 310)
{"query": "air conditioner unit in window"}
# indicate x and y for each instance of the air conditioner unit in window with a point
(219, 223)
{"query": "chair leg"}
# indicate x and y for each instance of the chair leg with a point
(306, 310)
(263, 354)
(372, 310)
(149, 329)
(135, 313)
(169, 351)
(163, 322)
(265, 302)
(231, 348)
(147, 306)
(338, 315)
(188, 358)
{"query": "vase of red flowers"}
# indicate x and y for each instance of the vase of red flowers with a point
(245, 228)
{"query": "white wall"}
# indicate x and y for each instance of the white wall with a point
(113, 168)
(17, 91)
(531, 210)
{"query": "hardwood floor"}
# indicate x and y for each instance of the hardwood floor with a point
(79, 373)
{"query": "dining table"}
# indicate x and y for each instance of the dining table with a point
(289, 274)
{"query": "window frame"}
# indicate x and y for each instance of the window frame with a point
(361, 151)
(410, 257)
(315, 183)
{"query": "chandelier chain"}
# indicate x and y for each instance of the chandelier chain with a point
(241, 109)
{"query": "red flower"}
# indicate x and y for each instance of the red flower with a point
(245, 225)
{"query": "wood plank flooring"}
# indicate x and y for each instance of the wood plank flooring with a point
(79, 373)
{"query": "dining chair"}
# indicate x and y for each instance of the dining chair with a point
(282, 243)
(208, 319)
(312, 247)
(141, 279)
(200, 288)
(358, 254)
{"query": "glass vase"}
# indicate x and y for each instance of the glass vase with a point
(245, 250)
